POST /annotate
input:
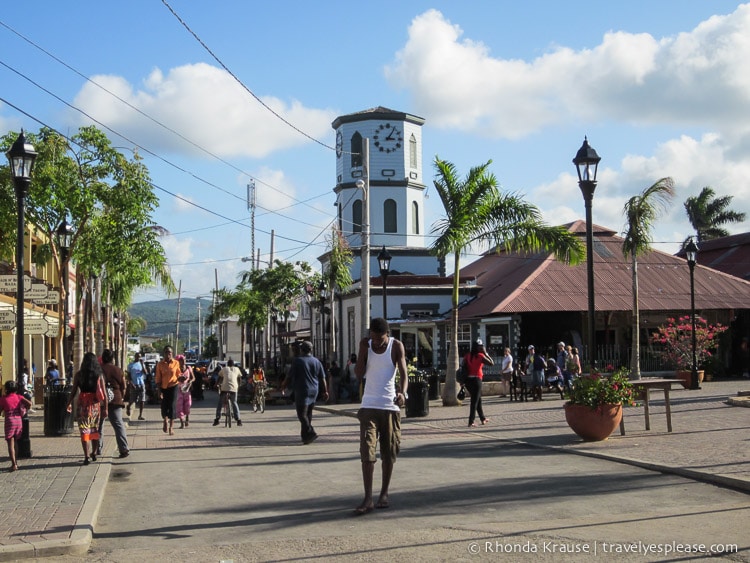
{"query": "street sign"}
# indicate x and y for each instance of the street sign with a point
(37, 291)
(5, 325)
(51, 331)
(7, 315)
(8, 283)
(35, 326)
(52, 298)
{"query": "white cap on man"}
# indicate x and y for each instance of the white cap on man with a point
(479, 342)
(531, 346)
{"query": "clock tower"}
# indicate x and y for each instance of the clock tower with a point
(395, 173)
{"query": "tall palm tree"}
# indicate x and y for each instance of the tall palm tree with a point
(708, 213)
(641, 212)
(477, 213)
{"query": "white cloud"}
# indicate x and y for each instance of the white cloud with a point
(273, 190)
(205, 105)
(700, 77)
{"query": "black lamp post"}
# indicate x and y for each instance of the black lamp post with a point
(691, 252)
(64, 236)
(587, 163)
(21, 157)
(322, 294)
(384, 260)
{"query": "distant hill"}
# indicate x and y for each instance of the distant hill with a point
(161, 317)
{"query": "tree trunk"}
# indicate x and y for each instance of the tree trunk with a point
(635, 355)
(449, 390)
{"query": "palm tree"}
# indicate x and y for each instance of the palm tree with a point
(476, 212)
(641, 212)
(708, 213)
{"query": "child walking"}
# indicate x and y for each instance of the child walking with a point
(14, 406)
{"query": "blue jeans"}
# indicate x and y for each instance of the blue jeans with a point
(232, 402)
(114, 413)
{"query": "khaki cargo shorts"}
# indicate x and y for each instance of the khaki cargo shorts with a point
(378, 425)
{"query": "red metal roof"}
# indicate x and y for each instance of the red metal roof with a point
(730, 255)
(510, 282)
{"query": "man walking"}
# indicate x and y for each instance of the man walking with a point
(228, 383)
(137, 385)
(380, 356)
(306, 377)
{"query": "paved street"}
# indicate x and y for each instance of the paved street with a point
(524, 482)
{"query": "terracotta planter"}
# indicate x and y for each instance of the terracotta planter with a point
(593, 425)
(685, 375)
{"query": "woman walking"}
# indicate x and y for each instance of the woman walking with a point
(475, 360)
(88, 384)
(184, 398)
(167, 374)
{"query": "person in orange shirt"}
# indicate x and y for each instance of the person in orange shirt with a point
(167, 372)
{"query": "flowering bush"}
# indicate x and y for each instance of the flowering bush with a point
(676, 338)
(596, 390)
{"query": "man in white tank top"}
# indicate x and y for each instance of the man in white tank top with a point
(380, 357)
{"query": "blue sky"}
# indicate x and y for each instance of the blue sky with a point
(660, 89)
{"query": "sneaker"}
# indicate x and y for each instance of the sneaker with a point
(216, 422)
(310, 440)
(124, 454)
(239, 423)
(141, 418)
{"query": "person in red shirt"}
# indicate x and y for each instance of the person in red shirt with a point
(474, 360)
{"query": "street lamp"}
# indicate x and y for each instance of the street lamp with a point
(322, 295)
(64, 235)
(21, 157)
(691, 251)
(364, 185)
(587, 163)
(384, 260)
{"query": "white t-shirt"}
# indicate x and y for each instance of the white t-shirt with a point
(230, 378)
(507, 364)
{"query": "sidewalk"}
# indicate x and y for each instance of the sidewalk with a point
(51, 504)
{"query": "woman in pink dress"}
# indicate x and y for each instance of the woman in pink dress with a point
(14, 406)
(184, 399)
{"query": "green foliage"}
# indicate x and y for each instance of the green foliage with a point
(476, 212)
(596, 390)
(707, 214)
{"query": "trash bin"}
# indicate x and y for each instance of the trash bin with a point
(432, 382)
(57, 420)
(418, 403)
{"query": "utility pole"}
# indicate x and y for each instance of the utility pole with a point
(251, 208)
(179, 304)
(200, 328)
(218, 332)
(364, 184)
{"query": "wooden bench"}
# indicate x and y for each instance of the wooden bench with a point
(643, 388)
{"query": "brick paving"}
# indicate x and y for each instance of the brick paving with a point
(50, 504)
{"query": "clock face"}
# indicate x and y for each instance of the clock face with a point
(339, 144)
(388, 138)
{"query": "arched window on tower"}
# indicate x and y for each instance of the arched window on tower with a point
(356, 150)
(412, 151)
(357, 216)
(340, 218)
(390, 223)
(414, 218)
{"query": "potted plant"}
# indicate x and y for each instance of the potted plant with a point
(676, 339)
(594, 406)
